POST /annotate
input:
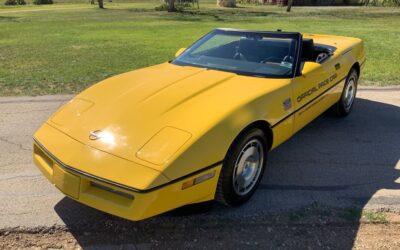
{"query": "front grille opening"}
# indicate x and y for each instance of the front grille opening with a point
(109, 189)
(37, 151)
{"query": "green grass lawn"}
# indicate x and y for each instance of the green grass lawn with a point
(66, 47)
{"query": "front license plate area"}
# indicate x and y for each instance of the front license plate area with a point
(68, 183)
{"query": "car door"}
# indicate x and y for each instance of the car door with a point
(313, 92)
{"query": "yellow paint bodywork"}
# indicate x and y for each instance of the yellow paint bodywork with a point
(164, 125)
(77, 183)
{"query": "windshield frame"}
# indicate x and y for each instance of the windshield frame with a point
(296, 36)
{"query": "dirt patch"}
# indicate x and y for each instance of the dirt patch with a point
(313, 228)
(369, 236)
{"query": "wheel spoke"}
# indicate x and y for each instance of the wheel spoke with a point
(349, 94)
(248, 167)
(240, 181)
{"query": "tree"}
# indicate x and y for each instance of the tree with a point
(101, 4)
(170, 5)
(289, 5)
(226, 3)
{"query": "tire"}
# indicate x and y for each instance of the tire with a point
(343, 107)
(243, 168)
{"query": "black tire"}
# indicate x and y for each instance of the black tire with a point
(226, 193)
(342, 108)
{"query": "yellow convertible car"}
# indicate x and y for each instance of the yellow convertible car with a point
(199, 127)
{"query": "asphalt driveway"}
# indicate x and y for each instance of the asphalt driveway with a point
(351, 162)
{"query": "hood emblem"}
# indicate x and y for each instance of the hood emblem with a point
(95, 135)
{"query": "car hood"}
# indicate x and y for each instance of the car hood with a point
(131, 108)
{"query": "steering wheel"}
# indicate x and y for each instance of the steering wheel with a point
(239, 56)
(288, 59)
(272, 59)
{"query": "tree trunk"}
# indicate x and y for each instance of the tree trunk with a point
(289, 5)
(101, 4)
(226, 3)
(170, 5)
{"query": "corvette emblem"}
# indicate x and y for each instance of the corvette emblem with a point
(95, 135)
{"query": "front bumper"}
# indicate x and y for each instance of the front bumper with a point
(121, 200)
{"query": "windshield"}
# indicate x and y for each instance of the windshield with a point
(247, 53)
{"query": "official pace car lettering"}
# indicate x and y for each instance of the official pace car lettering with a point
(316, 88)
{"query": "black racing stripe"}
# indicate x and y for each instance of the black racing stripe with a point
(309, 102)
(77, 171)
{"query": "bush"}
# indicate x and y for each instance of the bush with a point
(42, 2)
(11, 2)
(162, 7)
(15, 2)
(379, 2)
(250, 1)
(178, 7)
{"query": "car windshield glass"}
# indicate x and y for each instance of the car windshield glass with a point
(247, 53)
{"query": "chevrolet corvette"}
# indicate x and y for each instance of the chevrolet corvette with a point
(199, 127)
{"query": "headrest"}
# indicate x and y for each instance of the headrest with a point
(246, 44)
(307, 51)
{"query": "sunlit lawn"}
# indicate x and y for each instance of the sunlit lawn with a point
(66, 50)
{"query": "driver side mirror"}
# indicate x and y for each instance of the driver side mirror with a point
(179, 52)
(309, 67)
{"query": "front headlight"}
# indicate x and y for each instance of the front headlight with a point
(162, 146)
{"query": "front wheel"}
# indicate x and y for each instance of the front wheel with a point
(344, 105)
(243, 168)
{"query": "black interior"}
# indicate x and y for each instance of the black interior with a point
(269, 50)
(307, 50)
(266, 50)
(315, 52)
(252, 50)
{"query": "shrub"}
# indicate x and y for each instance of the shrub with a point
(250, 1)
(178, 7)
(162, 7)
(42, 2)
(21, 2)
(11, 2)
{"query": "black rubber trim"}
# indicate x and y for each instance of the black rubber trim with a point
(258, 31)
(309, 102)
(74, 170)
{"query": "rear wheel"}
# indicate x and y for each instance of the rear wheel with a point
(243, 168)
(344, 105)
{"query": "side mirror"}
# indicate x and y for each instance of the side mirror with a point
(179, 52)
(309, 67)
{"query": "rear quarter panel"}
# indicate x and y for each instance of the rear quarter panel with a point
(349, 50)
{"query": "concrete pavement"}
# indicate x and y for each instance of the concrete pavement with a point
(350, 162)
